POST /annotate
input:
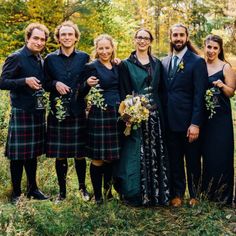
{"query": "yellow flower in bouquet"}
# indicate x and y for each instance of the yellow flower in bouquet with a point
(133, 110)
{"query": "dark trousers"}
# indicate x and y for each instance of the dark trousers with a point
(179, 149)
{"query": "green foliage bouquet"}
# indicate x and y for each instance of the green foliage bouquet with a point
(211, 101)
(95, 98)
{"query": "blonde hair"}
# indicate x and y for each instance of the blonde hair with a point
(101, 37)
(69, 24)
(29, 29)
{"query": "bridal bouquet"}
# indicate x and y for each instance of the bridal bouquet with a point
(133, 110)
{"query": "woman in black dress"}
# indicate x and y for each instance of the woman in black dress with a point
(218, 141)
(103, 138)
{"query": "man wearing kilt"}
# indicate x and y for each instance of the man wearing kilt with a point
(66, 135)
(23, 75)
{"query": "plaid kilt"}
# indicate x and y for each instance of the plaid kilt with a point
(26, 135)
(66, 139)
(103, 134)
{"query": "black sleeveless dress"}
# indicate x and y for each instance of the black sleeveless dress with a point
(218, 149)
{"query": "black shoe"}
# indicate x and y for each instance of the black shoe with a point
(59, 199)
(15, 199)
(37, 194)
(84, 194)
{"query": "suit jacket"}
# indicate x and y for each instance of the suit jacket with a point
(183, 97)
(67, 70)
(18, 66)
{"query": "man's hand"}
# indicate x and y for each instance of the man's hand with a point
(193, 133)
(62, 88)
(33, 83)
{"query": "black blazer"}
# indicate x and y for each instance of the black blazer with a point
(184, 94)
(19, 65)
(68, 70)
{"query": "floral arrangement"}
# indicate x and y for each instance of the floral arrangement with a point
(180, 66)
(95, 98)
(133, 111)
(210, 104)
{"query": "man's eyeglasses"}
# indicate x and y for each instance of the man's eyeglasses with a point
(139, 38)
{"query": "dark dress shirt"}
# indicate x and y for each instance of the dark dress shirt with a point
(17, 67)
(66, 69)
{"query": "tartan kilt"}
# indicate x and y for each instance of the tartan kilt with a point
(26, 135)
(66, 139)
(103, 134)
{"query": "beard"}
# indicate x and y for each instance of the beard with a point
(178, 48)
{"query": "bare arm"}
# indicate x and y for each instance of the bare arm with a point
(228, 87)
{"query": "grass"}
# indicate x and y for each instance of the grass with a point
(74, 217)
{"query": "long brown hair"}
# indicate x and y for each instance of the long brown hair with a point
(150, 35)
(189, 43)
(219, 41)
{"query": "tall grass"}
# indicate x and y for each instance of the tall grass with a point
(75, 217)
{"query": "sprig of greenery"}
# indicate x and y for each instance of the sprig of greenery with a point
(46, 102)
(95, 98)
(60, 109)
(210, 105)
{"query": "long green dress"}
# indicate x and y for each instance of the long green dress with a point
(142, 170)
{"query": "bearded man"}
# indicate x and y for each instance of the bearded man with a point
(185, 83)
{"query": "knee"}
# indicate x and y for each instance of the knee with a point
(97, 162)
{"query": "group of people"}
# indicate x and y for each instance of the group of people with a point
(146, 167)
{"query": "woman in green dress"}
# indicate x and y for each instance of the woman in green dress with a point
(142, 171)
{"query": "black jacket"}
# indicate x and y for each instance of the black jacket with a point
(19, 65)
(67, 70)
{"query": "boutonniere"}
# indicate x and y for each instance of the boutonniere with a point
(180, 66)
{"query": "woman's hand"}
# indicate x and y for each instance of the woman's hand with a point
(218, 83)
(92, 81)
(117, 61)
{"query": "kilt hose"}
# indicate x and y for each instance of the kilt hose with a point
(66, 139)
(103, 134)
(26, 135)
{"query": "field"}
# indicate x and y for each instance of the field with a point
(74, 217)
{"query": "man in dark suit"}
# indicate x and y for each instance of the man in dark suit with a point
(66, 136)
(185, 83)
(23, 75)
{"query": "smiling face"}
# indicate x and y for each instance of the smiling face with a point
(104, 50)
(36, 42)
(178, 38)
(142, 41)
(67, 37)
(211, 50)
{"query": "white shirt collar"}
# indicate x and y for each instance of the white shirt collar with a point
(180, 54)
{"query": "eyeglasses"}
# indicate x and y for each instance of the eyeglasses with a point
(139, 38)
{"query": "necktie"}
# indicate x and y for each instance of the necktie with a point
(174, 60)
(173, 67)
